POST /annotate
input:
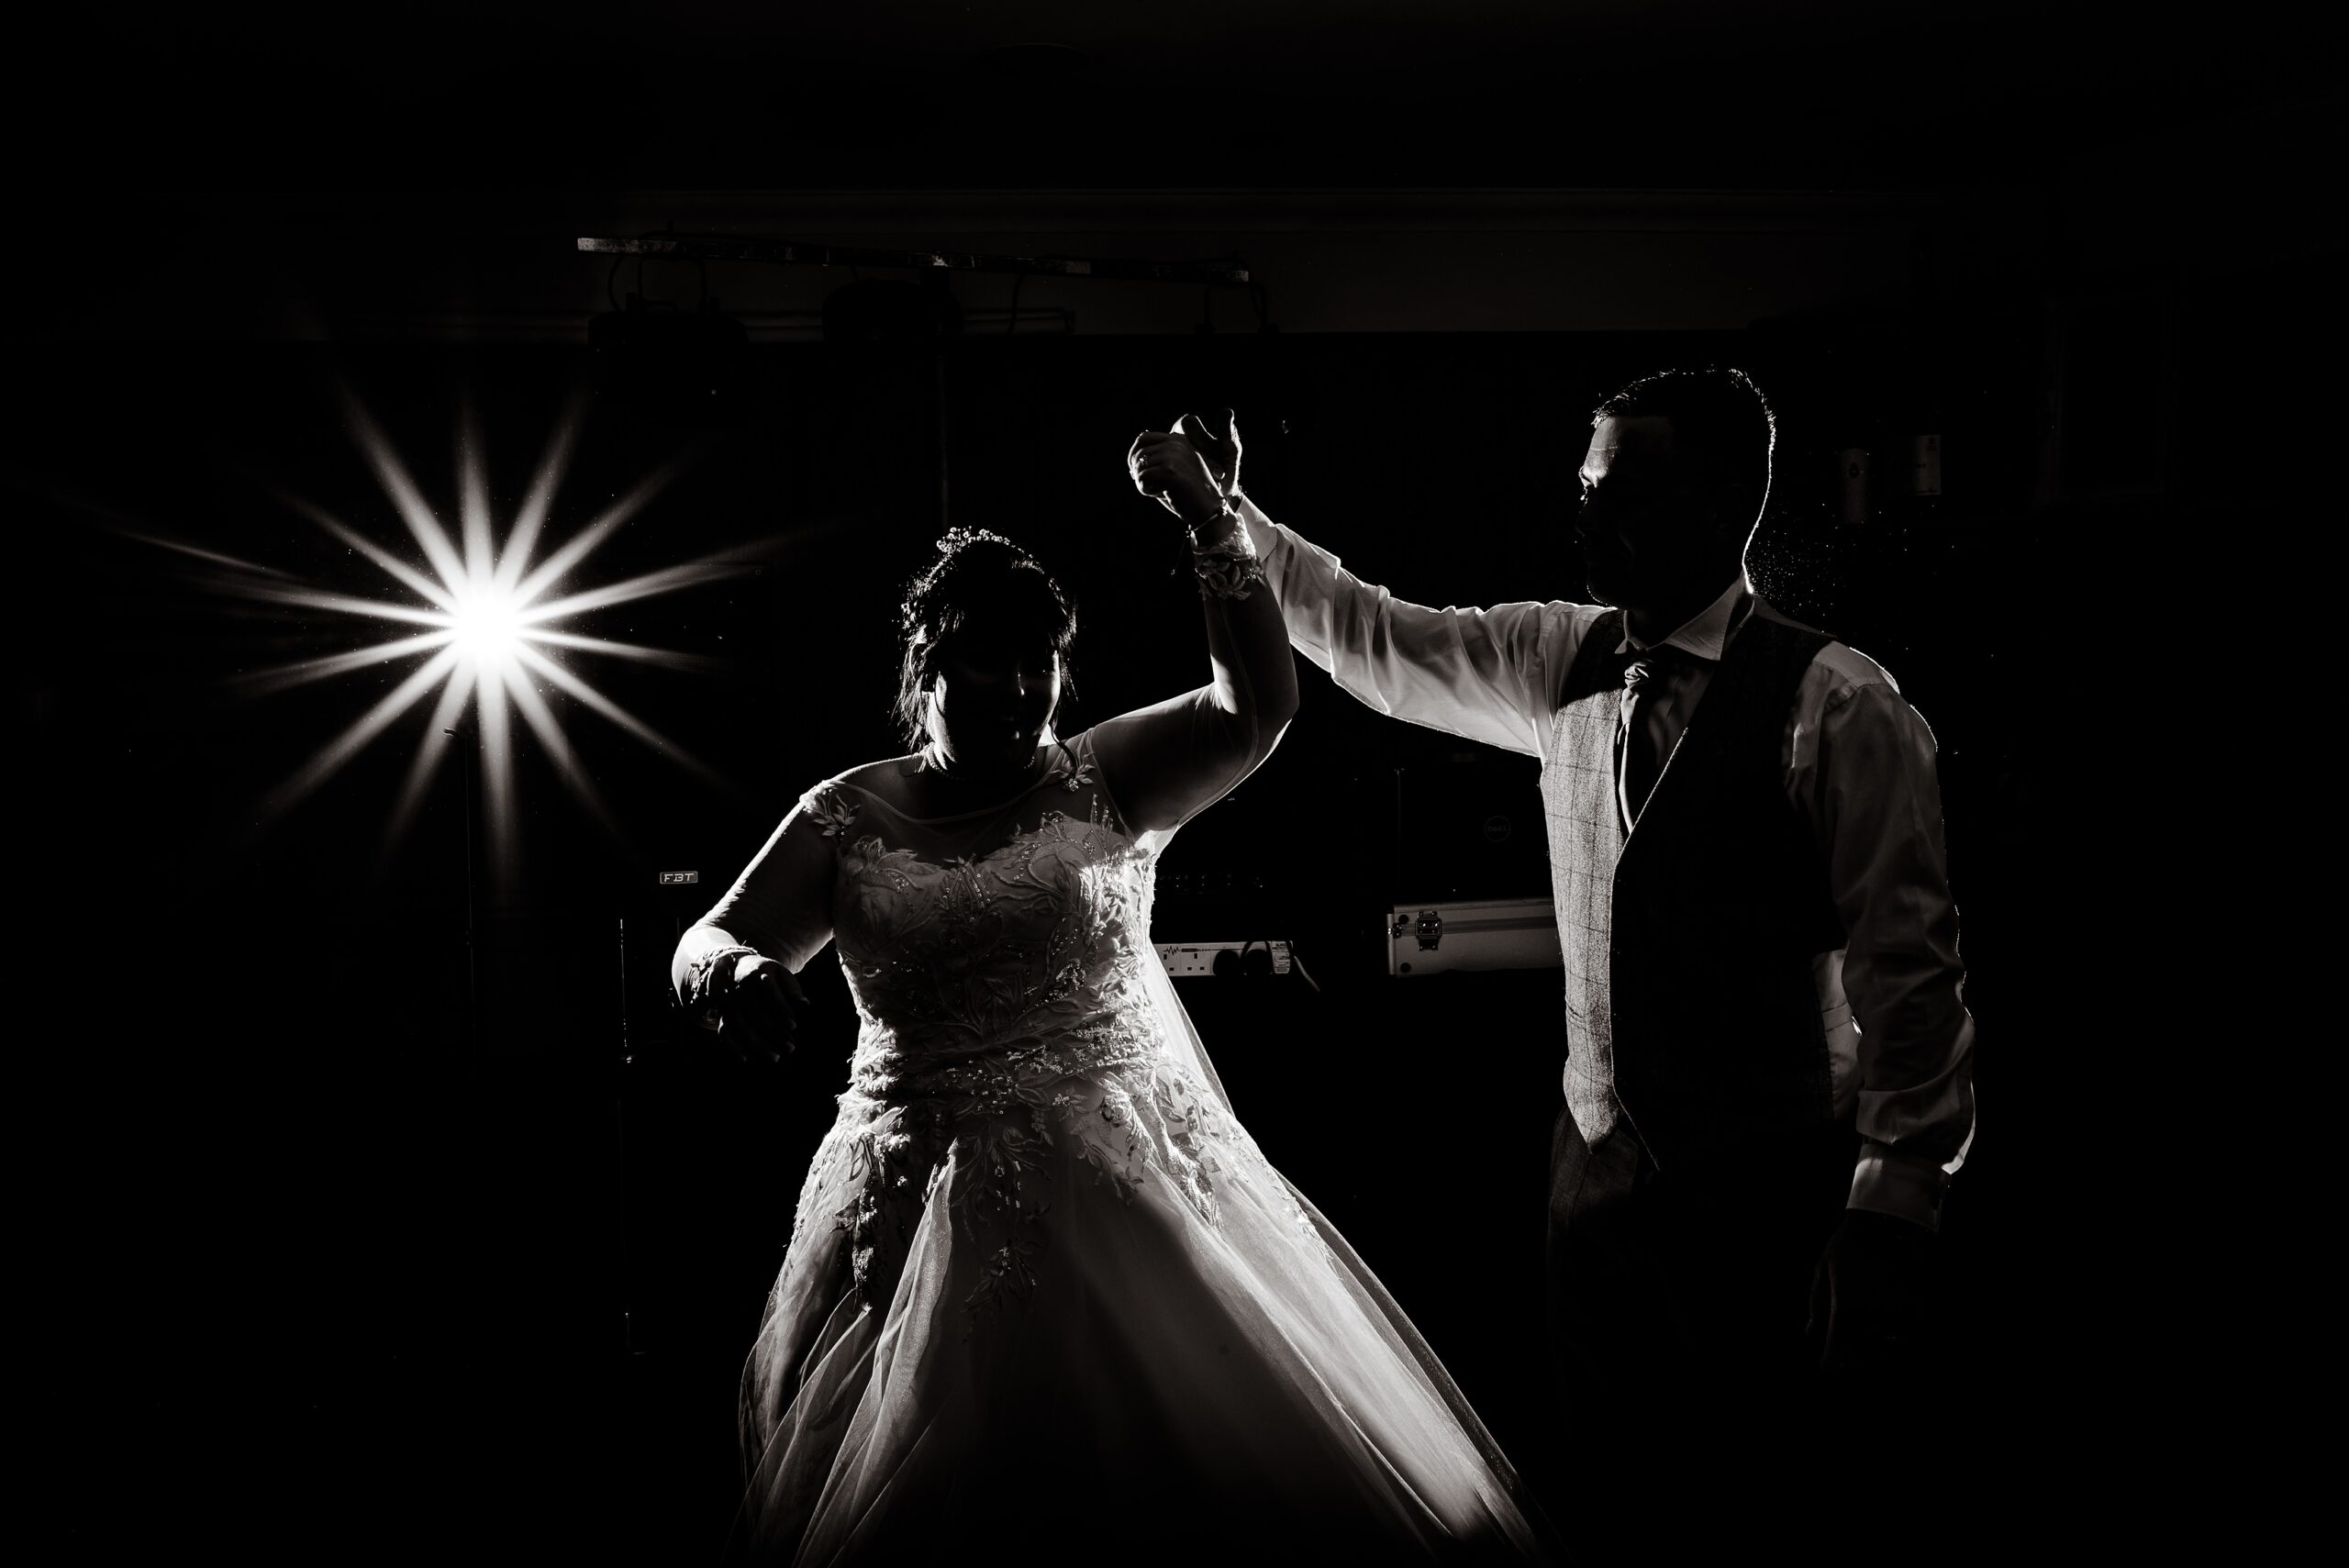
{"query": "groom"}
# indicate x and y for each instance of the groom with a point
(1768, 1069)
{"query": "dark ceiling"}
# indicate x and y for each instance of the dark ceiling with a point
(928, 94)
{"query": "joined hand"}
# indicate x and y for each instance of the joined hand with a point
(1187, 470)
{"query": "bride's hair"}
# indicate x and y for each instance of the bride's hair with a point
(982, 584)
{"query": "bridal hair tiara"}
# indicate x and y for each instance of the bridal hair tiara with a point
(956, 541)
(958, 538)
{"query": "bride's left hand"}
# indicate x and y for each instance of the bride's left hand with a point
(1166, 465)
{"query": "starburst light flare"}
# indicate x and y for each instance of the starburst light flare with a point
(490, 615)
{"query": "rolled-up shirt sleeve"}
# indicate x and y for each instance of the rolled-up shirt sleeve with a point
(1875, 805)
(1485, 674)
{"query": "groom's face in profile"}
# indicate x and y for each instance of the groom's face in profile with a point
(1651, 529)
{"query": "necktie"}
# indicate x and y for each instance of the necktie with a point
(1641, 758)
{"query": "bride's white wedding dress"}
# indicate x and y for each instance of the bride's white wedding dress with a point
(1045, 1296)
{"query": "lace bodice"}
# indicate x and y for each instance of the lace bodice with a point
(960, 963)
(1012, 1019)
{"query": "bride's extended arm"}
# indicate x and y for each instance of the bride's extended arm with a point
(732, 968)
(1167, 762)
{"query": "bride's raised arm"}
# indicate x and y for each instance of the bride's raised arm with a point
(1167, 762)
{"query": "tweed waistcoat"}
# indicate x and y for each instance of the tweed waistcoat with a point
(1691, 1009)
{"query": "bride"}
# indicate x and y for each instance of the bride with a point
(1043, 1293)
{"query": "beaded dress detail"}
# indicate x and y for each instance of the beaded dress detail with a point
(1040, 1280)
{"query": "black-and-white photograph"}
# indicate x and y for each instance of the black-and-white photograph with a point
(1277, 782)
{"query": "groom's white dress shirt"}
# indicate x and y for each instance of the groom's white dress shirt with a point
(1859, 765)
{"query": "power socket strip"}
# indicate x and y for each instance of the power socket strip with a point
(1185, 960)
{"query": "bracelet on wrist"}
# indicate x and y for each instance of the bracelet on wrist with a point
(710, 979)
(1227, 567)
(1225, 513)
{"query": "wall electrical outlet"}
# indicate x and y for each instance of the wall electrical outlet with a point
(1185, 960)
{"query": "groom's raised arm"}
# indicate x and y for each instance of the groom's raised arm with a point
(1487, 674)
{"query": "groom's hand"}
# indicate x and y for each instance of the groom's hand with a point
(1221, 453)
(1870, 1296)
(1167, 466)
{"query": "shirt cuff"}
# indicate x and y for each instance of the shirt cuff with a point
(1270, 539)
(1899, 1184)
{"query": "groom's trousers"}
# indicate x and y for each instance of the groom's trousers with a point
(1687, 1422)
(1697, 1275)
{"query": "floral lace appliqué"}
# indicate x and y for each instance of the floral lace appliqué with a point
(1069, 771)
(832, 812)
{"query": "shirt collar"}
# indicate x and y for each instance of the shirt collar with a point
(1706, 633)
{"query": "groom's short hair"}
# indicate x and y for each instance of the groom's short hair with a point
(1719, 419)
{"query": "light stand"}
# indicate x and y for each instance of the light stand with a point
(620, 1084)
(473, 898)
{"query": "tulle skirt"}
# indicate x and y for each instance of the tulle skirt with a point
(1089, 1320)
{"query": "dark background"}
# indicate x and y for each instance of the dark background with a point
(333, 1248)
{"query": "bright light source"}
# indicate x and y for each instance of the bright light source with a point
(486, 616)
(486, 625)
